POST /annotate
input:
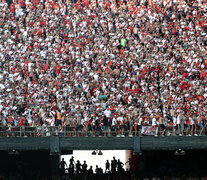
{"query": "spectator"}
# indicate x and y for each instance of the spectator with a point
(113, 165)
(62, 166)
(78, 167)
(120, 166)
(84, 167)
(90, 171)
(107, 166)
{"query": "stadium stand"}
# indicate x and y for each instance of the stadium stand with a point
(103, 67)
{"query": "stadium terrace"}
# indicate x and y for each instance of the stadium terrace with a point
(103, 67)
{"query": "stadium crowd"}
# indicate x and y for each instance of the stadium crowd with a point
(115, 167)
(104, 64)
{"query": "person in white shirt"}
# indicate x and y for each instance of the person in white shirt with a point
(191, 124)
(114, 124)
(107, 112)
(178, 123)
(154, 125)
(85, 124)
(121, 120)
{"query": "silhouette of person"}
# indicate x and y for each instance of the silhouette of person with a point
(97, 169)
(78, 167)
(62, 166)
(113, 165)
(71, 170)
(100, 171)
(130, 164)
(71, 166)
(120, 166)
(84, 167)
(71, 161)
(90, 171)
(107, 166)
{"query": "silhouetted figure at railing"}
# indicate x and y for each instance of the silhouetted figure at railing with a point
(130, 164)
(72, 162)
(98, 170)
(62, 166)
(84, 167)
(113, 165)
(90, 171)
(78, 167)
(71, 170)
(120, 166)
(107, 166)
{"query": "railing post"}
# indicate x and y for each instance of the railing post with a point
(54, 145)
(137, 144)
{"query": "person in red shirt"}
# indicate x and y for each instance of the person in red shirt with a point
(22, 126)
(22, 3)
(58, 68)
(108, 5)
(12, 8)
(45, 67)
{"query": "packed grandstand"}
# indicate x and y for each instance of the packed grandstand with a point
(92, 67)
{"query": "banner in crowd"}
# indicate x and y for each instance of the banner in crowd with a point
(147, 130)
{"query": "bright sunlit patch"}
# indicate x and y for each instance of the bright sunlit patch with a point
(93, 160)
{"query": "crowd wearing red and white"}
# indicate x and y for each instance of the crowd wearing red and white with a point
(101, 65)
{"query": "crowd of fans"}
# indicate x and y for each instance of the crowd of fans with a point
(104, 64)
(114, 167)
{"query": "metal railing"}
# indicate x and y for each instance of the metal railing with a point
(25, 131)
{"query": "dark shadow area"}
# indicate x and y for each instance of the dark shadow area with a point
(151, 164)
